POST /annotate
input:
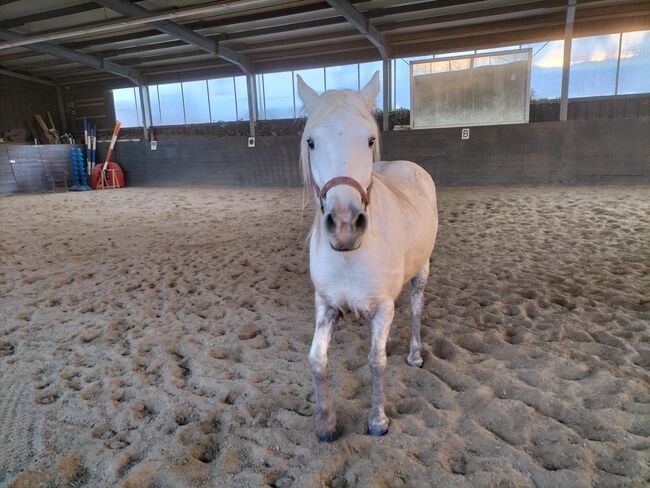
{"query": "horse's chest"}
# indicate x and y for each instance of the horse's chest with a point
(346, 287)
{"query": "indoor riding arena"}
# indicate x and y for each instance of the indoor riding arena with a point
(218, 268)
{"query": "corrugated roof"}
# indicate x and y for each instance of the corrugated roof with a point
(277, 35)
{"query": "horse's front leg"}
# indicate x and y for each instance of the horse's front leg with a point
(326, 317)
(383, 317)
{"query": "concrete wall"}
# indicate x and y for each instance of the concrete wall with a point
(210, 161)
(580, 151)
(573, 152)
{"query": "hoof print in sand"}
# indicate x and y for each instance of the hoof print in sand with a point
(249, 331)
(6, 348)
(184, 416)
(47, 397)
(204, 451)
(117, 443)
(72, 470)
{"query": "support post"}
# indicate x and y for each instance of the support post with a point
(566, 64)
(145, 108)
(252, 103)
(387, 91)
(59, 97)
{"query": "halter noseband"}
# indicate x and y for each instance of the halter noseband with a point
(340, 180)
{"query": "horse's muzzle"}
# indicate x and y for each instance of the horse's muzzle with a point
(345, 227)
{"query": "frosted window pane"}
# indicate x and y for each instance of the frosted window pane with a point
(478, 90)
(366, 72)
(635, 63)
(278, 91)
(450, 55)
(171, 104)
(155, 106)
(126, 109)
(195, 97)
(341, 77)
(241, 89)
(593, 66)
(222, 100)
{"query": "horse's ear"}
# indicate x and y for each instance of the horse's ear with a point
(371, 90)
(306, 93)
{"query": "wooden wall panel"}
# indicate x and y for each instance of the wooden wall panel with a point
(20, 100)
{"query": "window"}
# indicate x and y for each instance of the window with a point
(222, 100)
(127, 107)
(594, 63)
(241, 96)
(342, 77)
(155, 105)
(278, 95)
(401, 81)
(593, 66)
(634, 74)
(195, 99)
(546, 72)
(171, 104)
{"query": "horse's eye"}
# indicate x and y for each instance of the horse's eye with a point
(310, 143)
(371, 141)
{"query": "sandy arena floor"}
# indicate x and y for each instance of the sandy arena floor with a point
(159, 338)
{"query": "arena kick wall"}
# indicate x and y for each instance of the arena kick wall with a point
(574, 152)
(613, 151)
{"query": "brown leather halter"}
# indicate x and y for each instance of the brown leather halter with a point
(340, 180)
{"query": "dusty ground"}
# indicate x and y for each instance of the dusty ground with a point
(159, 338)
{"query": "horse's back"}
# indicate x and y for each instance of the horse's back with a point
(401, 173)
(413, 208)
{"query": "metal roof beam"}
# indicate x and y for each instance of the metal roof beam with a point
(362, 24)
(180, 32)
(215, 8)
(21, 76)
(49, 14)
(77, 57)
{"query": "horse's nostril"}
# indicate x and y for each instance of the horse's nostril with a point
(329, 223)
(361, 222)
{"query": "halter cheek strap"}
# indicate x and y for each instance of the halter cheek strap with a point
(341, 180)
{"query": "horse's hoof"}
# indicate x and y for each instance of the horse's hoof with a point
(378, 430)
(415, 362)
(326, 436)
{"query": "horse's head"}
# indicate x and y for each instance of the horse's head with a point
(339, 145)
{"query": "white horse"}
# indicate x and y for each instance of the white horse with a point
(374, 230)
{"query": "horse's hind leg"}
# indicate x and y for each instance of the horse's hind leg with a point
(417, 301)
(383, 317)
(326, 317)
